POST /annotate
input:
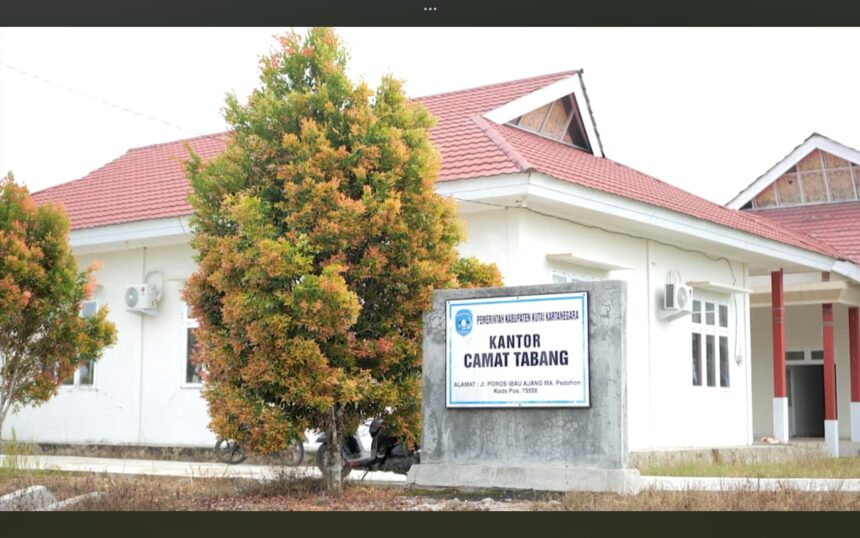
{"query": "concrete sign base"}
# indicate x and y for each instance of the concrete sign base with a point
(541, 448)
(532, 477)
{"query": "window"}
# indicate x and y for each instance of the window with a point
(85, 374)
(818, 178)
(559, 120)
(711, 366)
(572, 276)
(192, 370)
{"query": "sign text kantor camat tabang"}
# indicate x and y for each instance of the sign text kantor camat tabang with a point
(528, 351)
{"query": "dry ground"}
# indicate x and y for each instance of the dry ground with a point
(809, 467)
(129, 493)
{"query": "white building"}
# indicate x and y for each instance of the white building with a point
(539, 199)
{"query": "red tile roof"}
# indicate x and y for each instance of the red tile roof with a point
(150, 182)
(576, 166)
(835, 224)
(145, 183)
(466, 150)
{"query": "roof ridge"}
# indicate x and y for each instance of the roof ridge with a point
(150, 146)
(128, 151)
(570, 72)
(88, 174)
(499, 140)
(812, 244)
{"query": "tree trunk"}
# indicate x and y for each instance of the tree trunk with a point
(333, 478)
(3, 410)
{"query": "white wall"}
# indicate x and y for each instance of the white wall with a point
(802, 332)
(683, 414)
(147, 403)
(121, 407)
(664, 409)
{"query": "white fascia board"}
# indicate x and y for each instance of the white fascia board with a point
(507, 186)
(548, 187)
(118, 236)
(548, 94)
(847, 269)
(812, 143)
(523, 187)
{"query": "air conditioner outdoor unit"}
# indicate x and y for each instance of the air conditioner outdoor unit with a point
(678, 299)
(142, 298)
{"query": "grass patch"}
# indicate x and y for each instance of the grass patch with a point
(15, 454)
(156, 493)
(798, 468)
(744, 500)
(18, 457)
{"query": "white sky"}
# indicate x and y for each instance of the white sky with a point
(706, 109)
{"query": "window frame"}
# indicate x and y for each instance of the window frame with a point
(716, 331)
(568, 275)
(575, 115)
(76, 376)
(825, 172)
(188, 323)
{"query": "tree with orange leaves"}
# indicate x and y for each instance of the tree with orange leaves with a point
(320, 239)
(43, 338)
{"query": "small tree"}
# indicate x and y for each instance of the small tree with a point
(43, 338)
(319, 240)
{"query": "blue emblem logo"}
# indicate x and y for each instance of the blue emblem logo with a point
(463, 322)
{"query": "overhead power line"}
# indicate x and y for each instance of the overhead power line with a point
(97, 99)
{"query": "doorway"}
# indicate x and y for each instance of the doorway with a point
(805, 399)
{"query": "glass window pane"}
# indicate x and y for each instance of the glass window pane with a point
(810, 162)
(709, 314)
(724, 315)
(832, 161)
(697, 359)
(89, 308)
(794, 355)
(841, 185)
(788, 189)
(85, 373)
(576, 133)
(817, 355)
(710, 351)
(724, 361)
(557, 119)
(856, 170)
(534, 119)
(697, 311)
(766, 198)
(814, 188)
(192, 370)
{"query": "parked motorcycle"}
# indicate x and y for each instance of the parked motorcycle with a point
(386, 453)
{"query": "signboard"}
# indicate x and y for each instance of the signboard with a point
(529, 351)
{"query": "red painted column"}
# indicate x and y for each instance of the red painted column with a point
(854, 362)
(829, 362)
(780, 399)
(778, 309)
(854, 351)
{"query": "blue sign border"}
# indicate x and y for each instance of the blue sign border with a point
(564, 296)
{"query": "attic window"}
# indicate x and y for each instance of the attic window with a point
(559, 120)
(818, 178)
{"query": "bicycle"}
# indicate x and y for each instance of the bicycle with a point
(229, 451)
